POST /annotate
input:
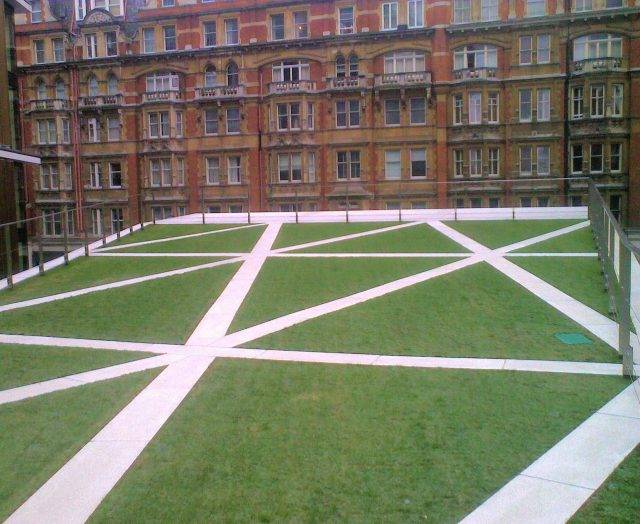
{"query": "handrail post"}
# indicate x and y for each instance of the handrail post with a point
(103, 212)
(65, 233)
(296, 206)
(624, 313)
(347, 204)
(7, 247)
(202, 204)
(40, 255)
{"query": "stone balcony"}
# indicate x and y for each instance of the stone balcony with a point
(50, 104)
(596, 65)
(291, 86)
(100, 101)
(153, 97)
(220, 92)
(398, 80)
(347, 83)
(480, 73)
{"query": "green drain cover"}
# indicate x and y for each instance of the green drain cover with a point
(573, 338)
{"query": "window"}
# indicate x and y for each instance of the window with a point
(461, 11)
(543, 110)
(96, 222)
(300, 24)
(392, 112)
(162, 82)
(161, 172)
(289, 167)
(310, 115)
(392, 165)
(159, 124)
(525, 161)
(418, 110)
(38, 47)
(113, 129)
(493, 108)
(117, 219)
(233, 75)
(58, 49)
(61, 90)
(213, 170)
(418, 163)
(288, 116)
(389, 16)
(543, 160)
(597, 101)
(49, 177)
(347, 19)
(93, 89)
(93, 130)
(494, 162)
(617, 99)
(597, 46)
(290, 71)
(526, 54)
(475, 107)
(81, 9)
(115, 175)
(576, 158)
(277, 26)
(149, 40)
(36, 11)
(615, 160)
(354, 65)
(209, 34)
(544, 49)
(475, 162)
(47, 133)
(180, 171)
(458, 104)
(525, 105)
(66, 131)
(596, 158)
(348, 165)
(111, 43)
(115, 8)
(179, 124)
(416, 13)
(233, 170)
(458, 163)
(162, 213)
(168, 3)
(95, 175)
(404, 62)
(231, 31)
(583, 5)
(52, 223)
(536, 8)
(112, 85)
(170, 42)
(311, 166)
(211, 122)
(525, 201)
(475, 57)
(233, 120)
(489, 10)
(577, 102)
(210, 77)
(91, 46)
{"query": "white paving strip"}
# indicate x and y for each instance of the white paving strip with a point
(371, 255)
(165, 255)
(556, 485)
(541, 238)
(459, 238)
(569, 255)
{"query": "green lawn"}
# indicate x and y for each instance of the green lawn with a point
(580, 241)
(93, 271)
(286, 285)
(21, 365)
(165, 310)
(498, 233)
(293, 442)
(473, 312)
(294, 234)
(420, 238)
(238, 241)
(166, 231)
(577, 277)
(41, 434)
(618, 500)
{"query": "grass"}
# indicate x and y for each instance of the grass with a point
(413, 239)
(165, 310)
(580, 241)
(285, 285)
(579, 278)
(294, 234)
(23, 365)
(293, 442)
(618, 500)
(238, 241)
(158, 231)
(499, 233)
(40, 434)
(93, 271)
(473, 312)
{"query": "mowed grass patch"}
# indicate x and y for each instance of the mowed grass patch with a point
(41, 434)
(22, 365)
(419, 238)
(93, 271)
(618, 499)
(578, 277)
(295, 234)
(160, 231)
(472, 312)
(580, 241)
(499, 233)
(286, 285)
(296, 442)
(165, 310)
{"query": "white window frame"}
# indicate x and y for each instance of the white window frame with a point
(416, 14)
(389, 16)
(543, 104)
(393, 164)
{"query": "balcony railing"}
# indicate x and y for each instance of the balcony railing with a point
(100, 100)
(51, 104)
(480, 73)
(218, 92)
(347, 82)
(291, 86)
(161, 96)
(595, 65)
(403, 79)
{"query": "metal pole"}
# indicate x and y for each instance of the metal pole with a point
(86, 239)
(130, 219)
(296, 204)
(65, 233)
(40, 255)
(347, 202)
(103, 217)
(7, 247)
(400, 202)
(624, 313)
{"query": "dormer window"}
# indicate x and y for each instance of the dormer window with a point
(475, 57)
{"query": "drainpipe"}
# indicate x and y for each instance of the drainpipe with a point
(260, 181)
(567, 98)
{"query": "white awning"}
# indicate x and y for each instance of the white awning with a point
(19, 156)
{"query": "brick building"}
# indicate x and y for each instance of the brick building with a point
(169, 106)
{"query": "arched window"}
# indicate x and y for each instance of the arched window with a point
(404, 62)
(112, 85)
(475, 57)
(61, 89)
(354, 65)
(210, 77)
(41, 89)
(341, 66)
(92, 86)
(233, 76)
(597, 46)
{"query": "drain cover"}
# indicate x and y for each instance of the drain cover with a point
(573, 338)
